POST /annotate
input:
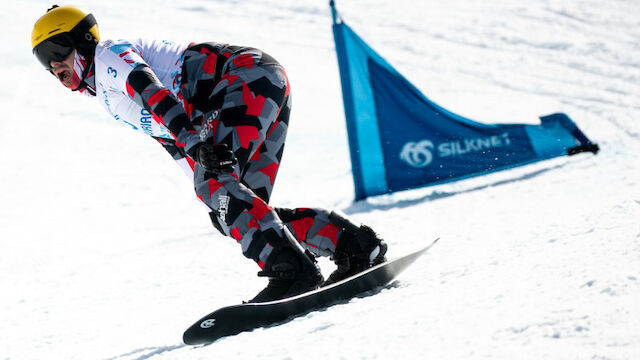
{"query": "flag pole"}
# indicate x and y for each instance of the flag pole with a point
(334, 13)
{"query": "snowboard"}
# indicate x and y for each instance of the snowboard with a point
(232, 320)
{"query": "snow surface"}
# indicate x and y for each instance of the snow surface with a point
(106, 253)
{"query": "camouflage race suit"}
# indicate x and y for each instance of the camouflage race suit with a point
(241, 97)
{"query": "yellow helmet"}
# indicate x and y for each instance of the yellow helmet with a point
(61, 30)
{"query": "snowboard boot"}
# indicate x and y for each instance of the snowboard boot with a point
(358, 249)
(289, 275)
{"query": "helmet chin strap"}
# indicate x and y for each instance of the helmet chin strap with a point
(84, 85)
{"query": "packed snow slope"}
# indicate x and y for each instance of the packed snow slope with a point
(106, 253)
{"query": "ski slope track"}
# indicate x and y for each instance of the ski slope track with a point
(107, 254)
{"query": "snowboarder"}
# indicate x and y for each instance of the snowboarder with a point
(222, 112)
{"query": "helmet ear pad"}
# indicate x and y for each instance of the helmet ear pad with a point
(86, 45)
(84, 36)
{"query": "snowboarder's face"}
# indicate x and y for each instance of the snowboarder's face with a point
(63, 70)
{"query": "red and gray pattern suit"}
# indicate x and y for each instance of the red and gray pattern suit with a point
(240, 97)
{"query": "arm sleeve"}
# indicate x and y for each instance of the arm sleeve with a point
(147, 91)
(178, 154)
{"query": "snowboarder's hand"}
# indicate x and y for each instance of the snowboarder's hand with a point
(216, 159)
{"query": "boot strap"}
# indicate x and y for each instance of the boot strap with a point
(286, 275)
(344, 262)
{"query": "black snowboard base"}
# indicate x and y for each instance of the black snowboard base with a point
(231, 320)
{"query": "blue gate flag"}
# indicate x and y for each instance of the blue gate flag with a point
(399, 139)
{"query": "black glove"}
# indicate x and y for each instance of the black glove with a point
(216, 159)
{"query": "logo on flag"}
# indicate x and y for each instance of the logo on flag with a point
(417, 154)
